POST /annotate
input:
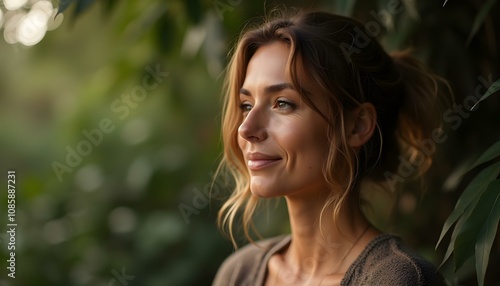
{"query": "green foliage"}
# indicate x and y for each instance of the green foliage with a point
(493, 88)
(488, 155)
(476, 215)
(81, 5)
(477, 212)
(119, 209)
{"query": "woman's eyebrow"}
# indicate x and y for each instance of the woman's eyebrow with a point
(270, 88)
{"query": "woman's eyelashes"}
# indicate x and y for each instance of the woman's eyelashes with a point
(284, 105)
(245, 107)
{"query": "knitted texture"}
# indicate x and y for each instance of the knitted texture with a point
(384, 261)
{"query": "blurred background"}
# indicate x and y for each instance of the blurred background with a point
(110, 114)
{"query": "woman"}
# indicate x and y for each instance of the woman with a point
(316, 111)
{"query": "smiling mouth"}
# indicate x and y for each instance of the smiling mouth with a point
(260, 164)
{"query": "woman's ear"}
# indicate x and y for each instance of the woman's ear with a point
(362, 125)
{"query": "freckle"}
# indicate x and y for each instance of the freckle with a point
(310, 167)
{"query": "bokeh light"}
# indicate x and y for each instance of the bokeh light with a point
(14, 4)
(26, 22)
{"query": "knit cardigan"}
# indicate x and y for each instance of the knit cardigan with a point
(384, 261)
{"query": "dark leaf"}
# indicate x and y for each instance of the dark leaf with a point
(490, 154)
(456, 230)
(478, 21)
(63, 5)
(477, 222)
(473, 191)
(492, 89)
(487, 234)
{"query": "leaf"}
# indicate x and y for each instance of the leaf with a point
(494, 87)
(458, 227)
(81, 5)
(478, 21)
(345, 7)
(487, 235)
(63, 5)
(471, 230)
(489, 154)
(474, 190)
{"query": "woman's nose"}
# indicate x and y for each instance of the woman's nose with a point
(253, 127)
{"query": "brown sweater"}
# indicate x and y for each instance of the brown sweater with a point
(384, 261)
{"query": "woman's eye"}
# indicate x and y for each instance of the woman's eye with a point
(245, 107)
(284, 105)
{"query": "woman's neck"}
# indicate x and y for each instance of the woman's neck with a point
(331, 248)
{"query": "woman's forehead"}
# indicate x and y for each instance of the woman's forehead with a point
(267, 65)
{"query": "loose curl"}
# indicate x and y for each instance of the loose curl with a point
(347, 66)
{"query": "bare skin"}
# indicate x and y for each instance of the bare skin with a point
(284, 144)
(313, 258)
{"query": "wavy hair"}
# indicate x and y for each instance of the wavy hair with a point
(347, 66)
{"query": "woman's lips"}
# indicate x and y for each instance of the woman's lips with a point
(259, 164)
(257, 161)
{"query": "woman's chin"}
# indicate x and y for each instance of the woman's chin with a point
(264, 193)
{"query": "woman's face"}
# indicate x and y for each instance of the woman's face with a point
(282, 139)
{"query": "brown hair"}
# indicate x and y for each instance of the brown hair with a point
(347, 66)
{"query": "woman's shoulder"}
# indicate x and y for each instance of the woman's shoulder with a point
(245, 266)
(387, 261)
